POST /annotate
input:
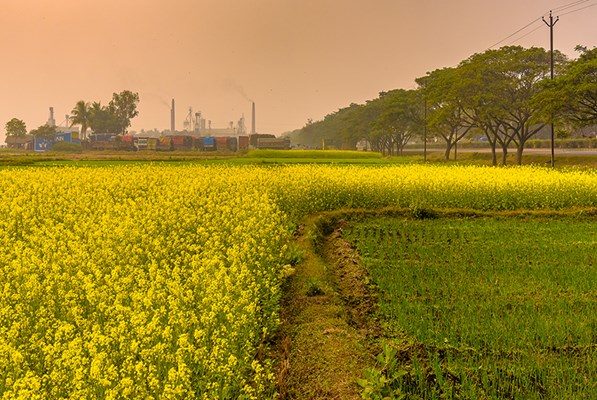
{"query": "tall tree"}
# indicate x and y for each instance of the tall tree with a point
(15, 127)
(400, 118)
(124, 107)
(44, 131)
(103, 119)
(527, 70)
(81, 115)
(500, 90)
(572, 96)
(448, 116)
(484, 89)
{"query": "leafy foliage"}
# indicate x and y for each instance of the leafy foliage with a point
(103, 119)
(15, 127)
(67, 147)
(81, 115)
(113, 118)
(500, 93)
(124, 107)
(44, 131)
(573, 95)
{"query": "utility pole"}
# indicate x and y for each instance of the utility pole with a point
(551, 24)
(425, 132)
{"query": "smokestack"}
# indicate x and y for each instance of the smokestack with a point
(198, 123)
(172, 125)
(253, 122)
(51, 120)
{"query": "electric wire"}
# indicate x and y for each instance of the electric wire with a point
(563, 7)
(569, 5)
(526, 34)
(520, 30)
(579, 9)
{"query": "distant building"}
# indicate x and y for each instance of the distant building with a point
(363, 145)
(19, 142)
(216, 132)
(64, 129)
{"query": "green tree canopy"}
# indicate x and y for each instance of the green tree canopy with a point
(15, 127)
(44, 131)
(400, 117)
(447, 113)
(103, 119)
(124, 107)
(572, 96)
(81, 115)
(499, 93)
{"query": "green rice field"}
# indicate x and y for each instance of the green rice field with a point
(483, 308)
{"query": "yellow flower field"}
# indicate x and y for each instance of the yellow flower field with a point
(135, 282)
(156, 281)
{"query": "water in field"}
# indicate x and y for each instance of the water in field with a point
(496, 308)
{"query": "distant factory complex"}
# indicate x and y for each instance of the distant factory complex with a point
(197, 134)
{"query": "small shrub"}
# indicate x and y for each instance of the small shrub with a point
(419, 211)
(314, 288)
(67, 147)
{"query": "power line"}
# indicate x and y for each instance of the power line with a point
(521, 29)
(526, 34)
(560, 8)
(569, 5)
(551, 24)
(579, 9)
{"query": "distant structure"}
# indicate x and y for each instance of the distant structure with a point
(189, 122)
(253, 120)
(241, 130)
(51, 120)
(60, 128)
(172, 118)
(197, 125)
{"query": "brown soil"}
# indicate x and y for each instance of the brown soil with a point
(325, 339)
(352, 280)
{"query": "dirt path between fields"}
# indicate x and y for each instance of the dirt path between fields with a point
(327, 333)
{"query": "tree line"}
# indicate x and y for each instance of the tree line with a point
(506, 95)
(113, 118)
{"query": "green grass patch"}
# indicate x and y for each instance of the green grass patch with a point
(254, 157)
(76, 157)
(484, 158)
(483, 307)
(313, 154)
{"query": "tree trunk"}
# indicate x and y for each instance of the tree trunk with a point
(448, 150)
(504, 155)
(519, 150)
(493, 155)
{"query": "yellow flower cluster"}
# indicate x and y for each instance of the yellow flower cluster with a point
(164, 281)
(138, 282)
(304, 189)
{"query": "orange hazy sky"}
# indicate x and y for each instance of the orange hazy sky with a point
(295, 59)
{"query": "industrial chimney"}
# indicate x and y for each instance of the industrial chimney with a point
(198, 123)
(51, 120)
(172, 125)
(253, 121)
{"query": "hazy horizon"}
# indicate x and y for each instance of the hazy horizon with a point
(296, 59)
